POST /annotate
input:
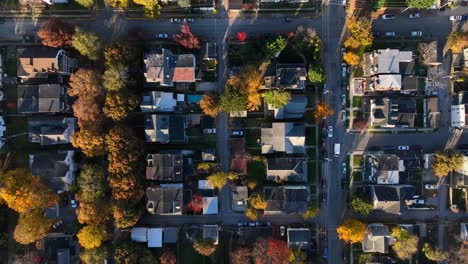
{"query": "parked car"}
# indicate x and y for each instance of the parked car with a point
(418, 201)
(73, 203)
(403, 148)
(162, 36)
(430, 186)
(282, 230)
(252, 224)
(416, 33)
(343, 115)
(416, 147)
(189, 19)
(330, 131)
(343, 167)
(390, 34)
(242, 224)
(388, 16)
(375, 148)
(176, 20)
(244, 202)
(388, 148)
(343, 99)
(237, 132)
(414, 15)
(344, 70)
(454, 18)
(57, 224)
(343, 52)
(209, 131)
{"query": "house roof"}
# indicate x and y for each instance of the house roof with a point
(295, 108)
(208, 155)
(155, 237)
(299, 237)
(290, 76)
(52, 168)
(139, 234)
(389, 60)
(165, 128)
(287, 169)
(286, 199)
(377, 239)
(210, 205)
(164, 200)
(37, 62)
(205, 185)
(170, 235)
(464, 232)
(50, 130)
(390, 198)
(164, 167)
(239, 164)
(60, 248)
(211, 232)
(158, 101)
(389, 82)
(283, 137)
(42, 98)
(240, 193)
(167, 68)
(457, 116)
(394, 111)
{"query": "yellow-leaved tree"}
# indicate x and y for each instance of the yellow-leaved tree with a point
(92, 236)
(351, 58)
(351, 230)
(151, 7)
(323, 110)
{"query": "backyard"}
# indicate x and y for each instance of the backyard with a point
(256, 171)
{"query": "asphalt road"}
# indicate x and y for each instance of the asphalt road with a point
(432, 27)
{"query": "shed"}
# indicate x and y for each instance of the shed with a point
(139, 234)
(155, 237)
(170, 235)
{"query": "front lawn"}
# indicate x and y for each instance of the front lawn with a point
(256, 171)
(358, 160)
(357, 101)
(311, 136)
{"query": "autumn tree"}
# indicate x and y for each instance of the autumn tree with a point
(94, 255)
(275, 45)
(351, 43)
(120, 52)
(186, 38)
(252, 213)
(88, 113)
(31, 227)
(359, 123)
(92, 236)
(278, 251)
(258, 201)
(92, 212)
(420, 4)
(56, 33)
(121, 4)
(210, 104)
(184, 3)
(23, 191)
(150, 7)
(362, 205)
(241, 36)
(351, 58)
(276, 98)
(433, 253)
(85, 82)
(316, 75)
(130, 252)
(31, 257)
(249, 81)
(241, 255)
(86, 3)
(323, 111)
(89, 142)
(457, 41)
(87, 43)
(115, 77)
(351, 231)
(361, 30)
(311, 212)
(406, 245)
(233, 100)
(219, 179)
(124, 149)
(260, 251)
(206, 166)
(445, 162)
(168, 257)
(126, 213)
(196, 203)
(119, 104)
(297, 256)
(204, 247)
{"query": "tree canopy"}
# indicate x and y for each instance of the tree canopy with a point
(87, 43)
(92, 236)
(351, 230)
(241, 255)
(362, 205)
(445, 162)
(297, 256)
(218, 179)
(361, 31)
(90, 142)
(258, 201)
(121, 4)
(131, 252)
(196, 203)
(323, 111)
(248, 82)
(210, 104)
(275, 45)
(316, 75)
(56, 33)
(420, 4)
(252, 213)
(151, 7)
(351, 58)
(406, 245)
(94, 255)
(92, 183)
(115, 77)
(458, 40)
(119, 104)
(233, 101)
(186, 38)
(204, 247)
(168, 257)
(126, 213)
(311, 212)
(31, 227)
(276, 98)
(434, 254)
(86, 3)
(278, 251)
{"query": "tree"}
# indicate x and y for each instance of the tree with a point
(425, 51)
(406, 245)
(434, 254)
(378, 4)
(351, 58)
(242, 255)
(445, 162)
(92, 236)
(459, 255)
(361, 31)
(126, 187)
(206, 166)
(121, 4)
(204, 247)
(210, 104)
(276, 98)
(297, 256)
(233, 101)
(351, 230)
(168, 257)
(260, 251)
(130, 253)
(312, 212)
(252, 213)
(241, 36)
(352, 43)
(196, 203)
(186, 38)
(115, 77)
(86, 3)
(258, 201)
(323, 111)
(94, 255)
(28, 258)
(31, 227)
(119, 104)
(420, 4)
(126, 213)
(92, 183)
(278, 251)
(56, 33)
(90, 142)
(85, 82)
(124, 149)
(22, 191)
(87, 43)
(120, 52)
(184, 3)
(249, 81)
(359, 123)
(88, 113)
(92, 212)
(275, 45)
(457, 41)
(219, 179)
(362, 205)
(151, 7)
(316, 75)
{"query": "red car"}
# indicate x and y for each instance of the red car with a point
(416, 147)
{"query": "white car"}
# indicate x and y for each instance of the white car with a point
(209, 131)
(390, 34)
(388, 16)
(73, 203)
(330, 131)
(343, 52)
(454, 18)
(57, 224)
(403, 147)
(344, 70)
(176, 20)
(343, 99)
(416, 33)
(343, 115)
(418, 201)
(430, 186)
(414, 15)
(282, 230)
(162, 36)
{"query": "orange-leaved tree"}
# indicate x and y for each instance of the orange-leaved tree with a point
(323, 111)
(56, 33)
(186, 38)
(351, 58)
(210, 104)
(351, 230)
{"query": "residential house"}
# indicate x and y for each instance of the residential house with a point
(39, 62)
(162, 102)
(384, 169)
(283, 137)
(287, 76)
(299, 238)
(377, 239)
(295, 108)
(152, 236)
(210, 205)
(167, 199)
(433, 113)
(211, 233)
(392, 112)
(391, 198)
(56, 169)
(170, 235)
(291, 169)
(165, 167)
(458, 116)
(460, 177)
(240, 195)
(59, 248)
(51, 130)
(287, 199)
(165, 128)
(43, 98)
(167, 68)
(208, 155)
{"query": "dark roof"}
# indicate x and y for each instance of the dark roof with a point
(285, 164)
(177, 128)
(207, 122)
(50, 130)
(51, 168)
(409, 83)
(41, 98)
(60, 249)
(235, 4)
(286, 199)
(170, 234)
(299, 237)
(237, 146)
(386, 193)
(290, 76)
(164, 167)
(164, 200)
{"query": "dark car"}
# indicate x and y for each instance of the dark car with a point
(388, 148)
(374, 148)
(65, 201)
(416, 147)
(343, 183)
(463, 146)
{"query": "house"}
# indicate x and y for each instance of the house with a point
(39, 62)
(53, 2)
(295, 108)
(283, 137)
(384, 169)
(392, 112)
(299, 238)
(52, 212)
(210, 205)
(51, 130)
(152, 236)
(165, 128)
(288, 76)
(391, 198)
(457, 116)
(170, 235)
(207, 122)
(208, 155)
(291, 169)
(56, 169)
(42, 98)
(167, 68)
(58, 248)
(205, 188)
(377, 239)
(211, 233)
(464, 232)
(167, 199)
(460, 177)
(161, 102)
(434, 115)
(287, 199)
(240, 195)
(165, 167)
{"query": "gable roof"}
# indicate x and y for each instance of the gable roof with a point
(377, 239)
(60, 248)
(167, 68)
(164, 167)
(37, 62)
(164, 200)
(391, 198)
(290, 76)
(287, 169)
(283, 137)
(286, 199)
(158, 101)
(210, 205)
(299, 238)
(211, 232)
(50, 130)
(53, 168)
(165, 128)
(295, 108)
(42, 98)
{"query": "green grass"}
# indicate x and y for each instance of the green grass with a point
(309, 117)
(11, 67)
(357, 101)
(358, 160)
(256, 171)
(312, 153)
(311, 136)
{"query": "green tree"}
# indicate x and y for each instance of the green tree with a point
(378, 4)
(297, 256)
(31, 227)
(219, 179)
(184, 3)
(94, 255)
(119, 104)
(362, 205)
(434, 254)
(205, 247)
(258, 201)
(312, 212)
(420, 4)
(316, 75)
(92, 183)
(151, 7)
(206, 166)
(115, 77)
(233, 100)
(406, 245)
(275, 45)
(86, 3)
(92, 236)
(276, 98)
(445, 162)
(87, 43)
